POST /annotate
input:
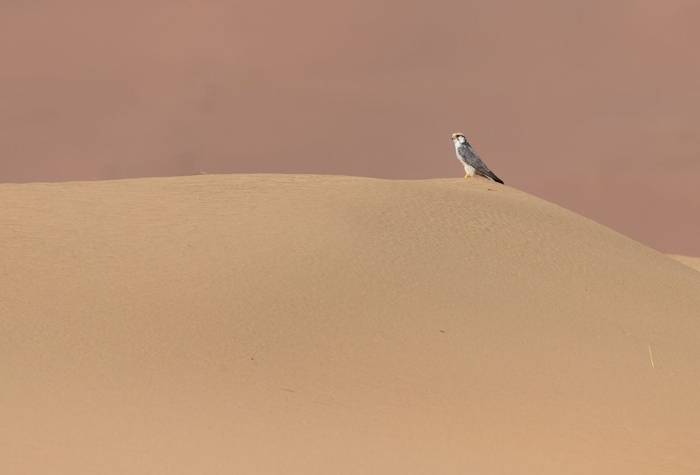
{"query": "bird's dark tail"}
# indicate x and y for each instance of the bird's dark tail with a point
(492, 176)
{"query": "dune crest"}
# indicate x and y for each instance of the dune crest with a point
(692, 262)
(326, 324)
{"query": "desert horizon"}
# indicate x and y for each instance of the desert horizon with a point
(591, 105)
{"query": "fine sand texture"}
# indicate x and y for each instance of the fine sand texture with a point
(693, 262)
(290, 324)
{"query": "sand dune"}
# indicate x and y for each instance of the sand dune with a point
(317, 324)
(693, 262)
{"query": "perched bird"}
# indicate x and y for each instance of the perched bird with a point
(473, 164)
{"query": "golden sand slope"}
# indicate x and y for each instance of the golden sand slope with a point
(315, 324)
(693, 262)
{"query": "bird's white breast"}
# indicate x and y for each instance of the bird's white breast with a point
(470, 170)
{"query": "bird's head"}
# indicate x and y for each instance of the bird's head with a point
(459, 139)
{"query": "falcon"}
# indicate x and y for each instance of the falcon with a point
(473, 165)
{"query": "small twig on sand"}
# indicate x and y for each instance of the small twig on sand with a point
(651, 356)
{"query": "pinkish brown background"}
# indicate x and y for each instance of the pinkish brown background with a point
(591, 104)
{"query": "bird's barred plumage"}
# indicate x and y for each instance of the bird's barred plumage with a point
(473, 165)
